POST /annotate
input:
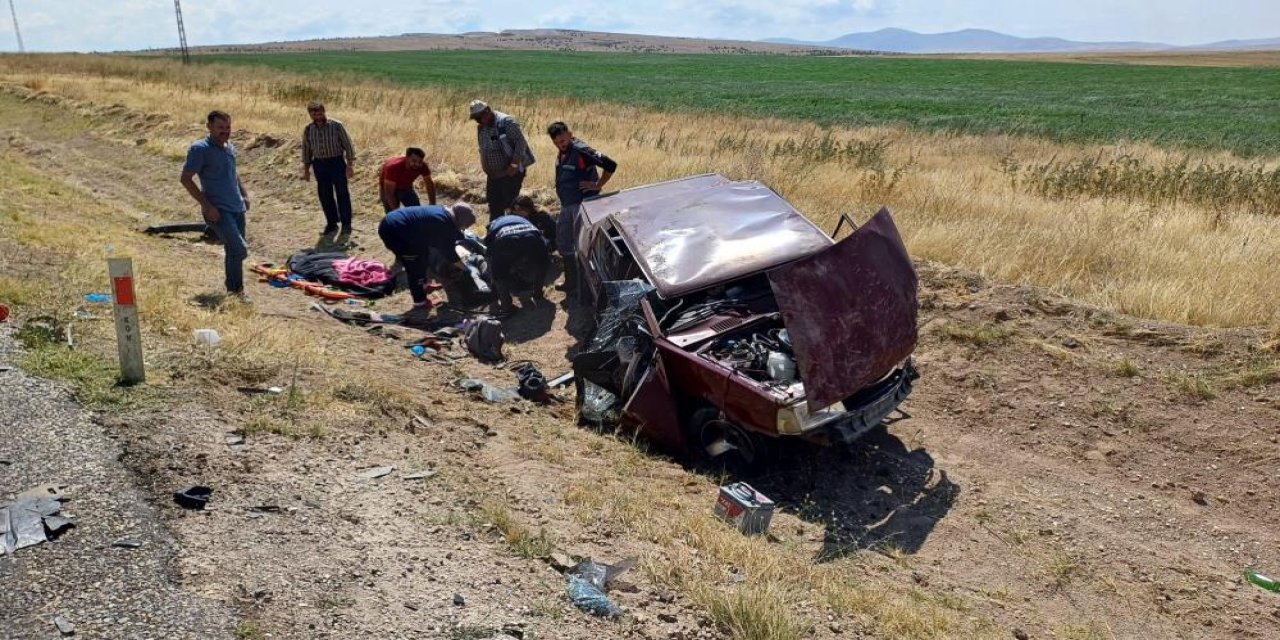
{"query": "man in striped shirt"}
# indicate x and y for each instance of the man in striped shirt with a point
(327, 149)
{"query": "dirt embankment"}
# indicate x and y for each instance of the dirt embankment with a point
(1065, 472)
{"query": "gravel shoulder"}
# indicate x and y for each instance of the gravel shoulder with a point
(105, 591)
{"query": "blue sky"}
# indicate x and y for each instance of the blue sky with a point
(98, 25)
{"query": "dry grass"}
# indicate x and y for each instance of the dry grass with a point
(981, 335)
(254, 349)
(1183, 261)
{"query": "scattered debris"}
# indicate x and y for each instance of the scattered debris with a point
(4, 312)
(1262, 581)
(127, 543)
(420, 475)
(64, 626)
(193, 497)
(458, 600)
(561, 561)
(32, 519)
(357, 316)
(97, 298)
(232, 438)
(420, 422)
(377, 472)
(742, 506)
(599, 406)
(176, 228)
(4, 368)
(486, 391)
(208, 337)
(484, 339)
(588, 585)
(532, 384)
(562, 380)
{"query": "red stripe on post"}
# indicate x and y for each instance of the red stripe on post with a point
(124, 291)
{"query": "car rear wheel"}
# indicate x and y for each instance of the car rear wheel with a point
(719, 442)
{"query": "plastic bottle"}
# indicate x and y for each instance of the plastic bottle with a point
(1262, 581)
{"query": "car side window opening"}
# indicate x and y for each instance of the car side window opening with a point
(612, 258)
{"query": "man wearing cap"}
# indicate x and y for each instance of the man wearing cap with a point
(327, 149)
(423, 239)
(504, 156)
(398, 176)
(518, 260)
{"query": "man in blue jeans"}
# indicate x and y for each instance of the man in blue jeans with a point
(423, 239)
(223, 200)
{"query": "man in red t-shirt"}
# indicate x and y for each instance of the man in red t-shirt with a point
(398, 175)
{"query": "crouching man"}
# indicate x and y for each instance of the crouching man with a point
(423, 239)
(518, 260)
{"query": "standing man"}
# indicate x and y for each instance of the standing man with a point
(518, 260)
(398, 175)
(576, 180)
(504, 156)
(424, 240)
(223, 200)
(327, 148)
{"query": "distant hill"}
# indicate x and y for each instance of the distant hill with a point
(967, 41)
(986, 41)
(530, 40)
(1265, 44)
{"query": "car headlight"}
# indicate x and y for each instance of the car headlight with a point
(795, 418)
(791, 419)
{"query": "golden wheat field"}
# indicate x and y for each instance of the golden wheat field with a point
(1201, 261)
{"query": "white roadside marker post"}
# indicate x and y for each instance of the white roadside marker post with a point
(128, 332)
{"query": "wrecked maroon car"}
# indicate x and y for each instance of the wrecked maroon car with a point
(726, 319)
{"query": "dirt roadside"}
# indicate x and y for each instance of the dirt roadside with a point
(1061, 473)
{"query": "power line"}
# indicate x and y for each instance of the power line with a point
(16, 31)
(182, 32)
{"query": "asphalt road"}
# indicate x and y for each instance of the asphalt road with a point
(104, 590)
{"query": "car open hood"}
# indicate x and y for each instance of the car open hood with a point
(850, 311)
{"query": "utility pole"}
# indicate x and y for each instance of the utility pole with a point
(182, 31)
(17, 32)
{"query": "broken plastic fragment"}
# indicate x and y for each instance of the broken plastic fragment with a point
(193, 497)
(377, 472)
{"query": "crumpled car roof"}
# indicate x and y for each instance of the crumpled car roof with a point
(706, 231)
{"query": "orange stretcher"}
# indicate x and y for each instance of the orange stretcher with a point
(273, 272)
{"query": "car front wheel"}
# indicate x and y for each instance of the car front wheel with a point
(717, 441)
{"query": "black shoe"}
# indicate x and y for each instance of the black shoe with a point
(329, 229)
(346, 229)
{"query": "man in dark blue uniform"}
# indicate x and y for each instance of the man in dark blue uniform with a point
(518, 260)
(423, 239)
(577, 178)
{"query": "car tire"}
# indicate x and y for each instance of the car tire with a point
(749, 454)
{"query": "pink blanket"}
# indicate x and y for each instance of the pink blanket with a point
(365, 273)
